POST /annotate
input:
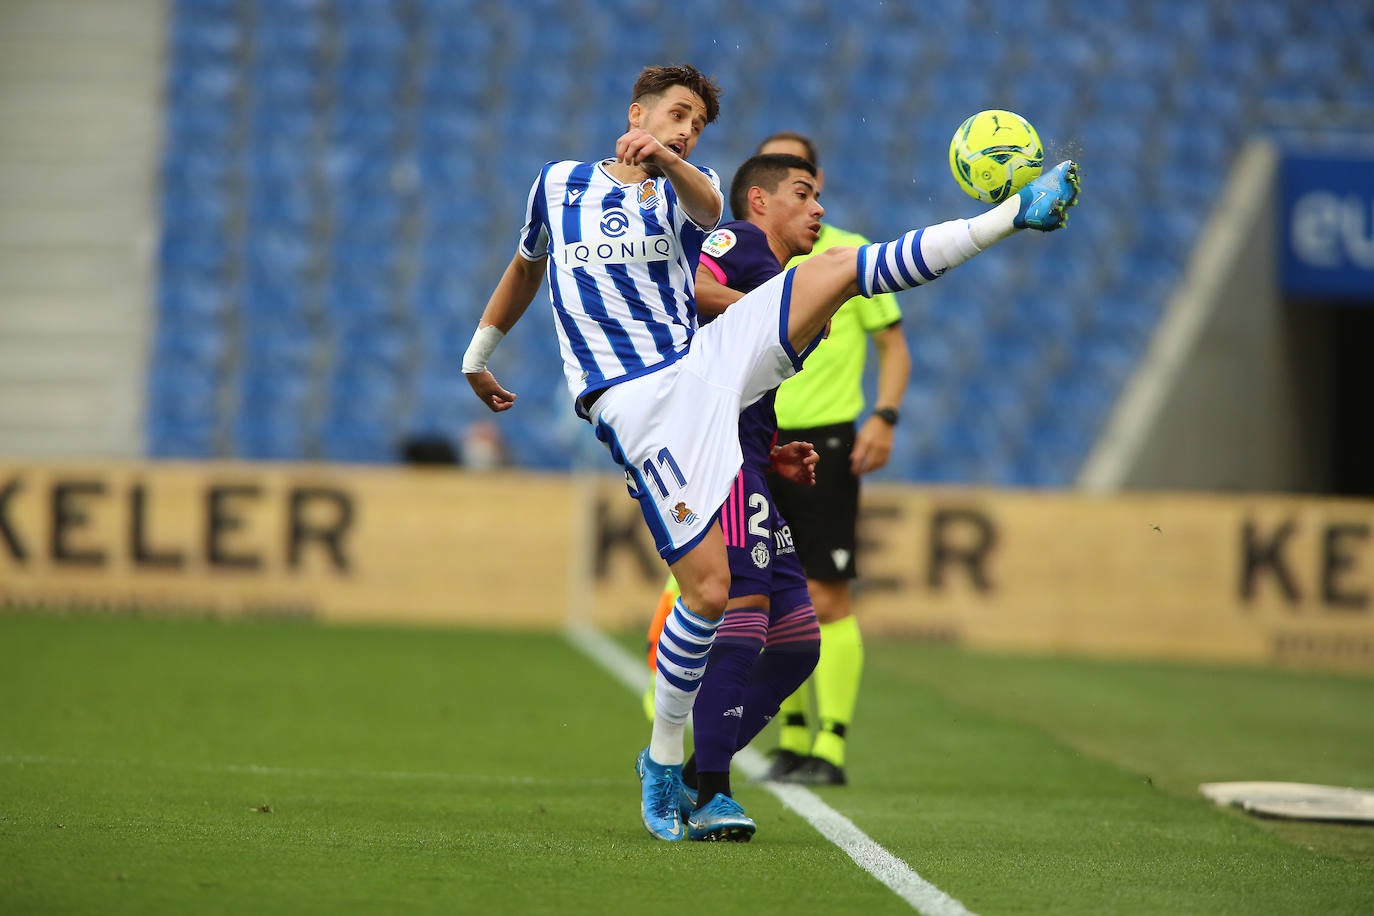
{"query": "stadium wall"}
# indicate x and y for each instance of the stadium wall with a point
(1233, 392)
(1238, 578)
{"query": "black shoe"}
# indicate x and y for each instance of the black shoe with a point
(784, 764)
(817, 772)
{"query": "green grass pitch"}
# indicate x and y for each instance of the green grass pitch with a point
(158, 766)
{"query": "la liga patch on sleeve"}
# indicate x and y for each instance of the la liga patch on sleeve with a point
(718, 242)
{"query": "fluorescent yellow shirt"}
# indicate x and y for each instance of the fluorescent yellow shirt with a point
(829, 388)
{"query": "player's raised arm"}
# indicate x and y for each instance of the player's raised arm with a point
(698, 196)
(695, 193)
(513, 294)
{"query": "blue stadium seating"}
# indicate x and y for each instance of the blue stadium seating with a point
(342, 183)
(208, 30)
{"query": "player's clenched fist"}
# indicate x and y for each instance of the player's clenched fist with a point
(637, 147)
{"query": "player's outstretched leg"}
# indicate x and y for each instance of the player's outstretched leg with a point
(822, 283)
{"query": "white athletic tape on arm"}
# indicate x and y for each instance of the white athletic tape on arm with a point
(483, 344)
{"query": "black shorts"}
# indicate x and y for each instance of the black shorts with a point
(822, 518)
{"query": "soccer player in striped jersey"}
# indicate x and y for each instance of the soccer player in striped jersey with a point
(619, 241)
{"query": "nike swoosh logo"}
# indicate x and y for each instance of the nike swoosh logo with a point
(1039, 197)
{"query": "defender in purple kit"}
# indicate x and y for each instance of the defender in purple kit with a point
(769, 639)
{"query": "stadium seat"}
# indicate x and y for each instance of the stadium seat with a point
(286, 32)
(273, 418)
(182, 388)
(181, 297)
(366, 400)
(190, 341)
(205, 31)
(209, 129)
(285, 82)
(272, 436)
(194, 84)
(183, 407)
(370, 83)
(171, 440)
(372, 27)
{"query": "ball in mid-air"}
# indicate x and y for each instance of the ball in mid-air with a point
(994, 154)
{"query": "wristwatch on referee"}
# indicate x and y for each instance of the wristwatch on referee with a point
(888, 415)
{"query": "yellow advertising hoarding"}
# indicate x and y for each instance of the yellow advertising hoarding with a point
(336, 543)
(1234, 577)
(1223, 577)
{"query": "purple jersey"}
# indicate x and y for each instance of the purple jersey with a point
(763, 559)
(773, 610)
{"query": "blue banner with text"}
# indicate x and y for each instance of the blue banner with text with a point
(1326, 203)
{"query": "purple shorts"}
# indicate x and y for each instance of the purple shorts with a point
(763, 559)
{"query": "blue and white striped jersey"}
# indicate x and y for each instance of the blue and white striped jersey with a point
(622, 271)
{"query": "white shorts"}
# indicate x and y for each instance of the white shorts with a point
(675, 431)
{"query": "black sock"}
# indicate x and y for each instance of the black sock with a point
(689, 772)
(709, 785)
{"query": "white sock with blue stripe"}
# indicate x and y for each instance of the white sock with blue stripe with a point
(682, 651)
(918, 257)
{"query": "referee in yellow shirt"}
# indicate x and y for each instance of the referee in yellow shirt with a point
(822, 404)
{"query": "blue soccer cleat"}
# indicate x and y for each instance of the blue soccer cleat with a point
(1045, 202)
(660, 788)
(721, 818)
(686, 800)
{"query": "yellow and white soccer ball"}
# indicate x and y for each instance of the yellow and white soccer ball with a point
(994, 154)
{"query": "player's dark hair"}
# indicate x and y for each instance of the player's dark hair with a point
(795, 137)
(658, 80)
(763, 171)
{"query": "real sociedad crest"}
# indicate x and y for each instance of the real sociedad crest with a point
(648, 194)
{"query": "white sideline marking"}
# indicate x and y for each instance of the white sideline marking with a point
(895, 874)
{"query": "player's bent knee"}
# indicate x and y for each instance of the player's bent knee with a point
(842, 256)
(835, 267)
(821, 284)
(708, 597)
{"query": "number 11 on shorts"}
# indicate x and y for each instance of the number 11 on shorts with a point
(665, 460)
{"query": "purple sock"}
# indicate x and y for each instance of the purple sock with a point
(719, 705)
(777, 675)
